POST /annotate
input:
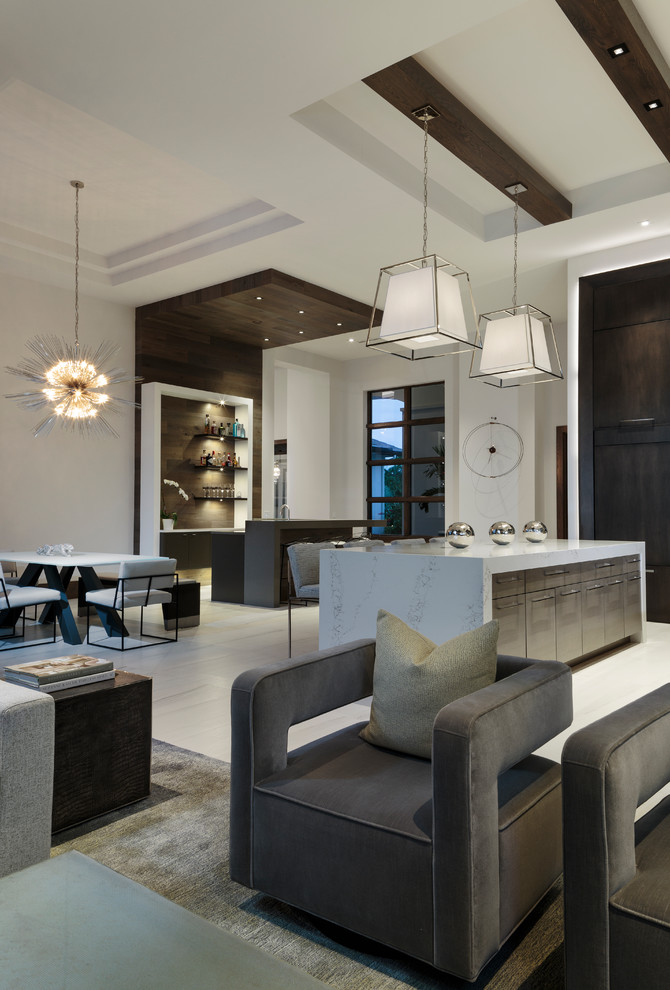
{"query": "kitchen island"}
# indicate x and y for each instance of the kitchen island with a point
(256, 564)
(561, 599)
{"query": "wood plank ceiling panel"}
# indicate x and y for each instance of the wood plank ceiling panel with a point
(407, 86)
(604, 25)
(266, 309)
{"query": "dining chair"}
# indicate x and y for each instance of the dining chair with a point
(303, 569)
(140, 583)
(14, 599)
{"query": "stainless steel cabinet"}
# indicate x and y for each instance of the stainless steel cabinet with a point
(593, 616)
(510, 612)
(569, 622)
(541, 625)
(614, 609)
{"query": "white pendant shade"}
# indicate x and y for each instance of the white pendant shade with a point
(518, 348)
(515, 346)
(427, 310)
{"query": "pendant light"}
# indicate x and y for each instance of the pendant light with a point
(67, 375)
(426, 304)
(518, 343)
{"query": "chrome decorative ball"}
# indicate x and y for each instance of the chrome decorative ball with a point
(502, 533)
(535, 532)
(460, 535)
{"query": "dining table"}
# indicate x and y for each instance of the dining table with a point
(58, 570)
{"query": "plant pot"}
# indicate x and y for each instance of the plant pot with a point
(168, 523)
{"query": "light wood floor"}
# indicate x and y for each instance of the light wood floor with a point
(192, 679)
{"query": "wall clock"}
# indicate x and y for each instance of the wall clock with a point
(493, 449)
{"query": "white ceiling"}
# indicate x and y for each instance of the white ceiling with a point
(217, 139)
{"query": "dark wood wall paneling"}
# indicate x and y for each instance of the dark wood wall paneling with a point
(182, 444)
(624, 369)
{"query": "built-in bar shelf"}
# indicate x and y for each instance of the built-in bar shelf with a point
(219, 498)
(215, 436)
(217, 467)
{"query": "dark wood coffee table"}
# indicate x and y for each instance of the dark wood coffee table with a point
(102, 755)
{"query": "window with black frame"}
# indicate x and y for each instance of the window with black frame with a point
(405, 460)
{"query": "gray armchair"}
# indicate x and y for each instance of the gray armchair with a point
(617, 871)
(440, 859)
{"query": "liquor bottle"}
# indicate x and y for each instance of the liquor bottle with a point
(202, 457)
(206, 422)
(220, 429)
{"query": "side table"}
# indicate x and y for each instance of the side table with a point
(102, 748)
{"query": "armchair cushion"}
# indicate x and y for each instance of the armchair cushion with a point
(414, 679)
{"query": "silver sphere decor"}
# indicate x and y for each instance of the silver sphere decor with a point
(460, 535)
(502, 533)
(535, 531)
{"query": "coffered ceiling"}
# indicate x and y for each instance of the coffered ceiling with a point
(218, 139)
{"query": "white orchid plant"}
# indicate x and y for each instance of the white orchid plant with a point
(164, 512)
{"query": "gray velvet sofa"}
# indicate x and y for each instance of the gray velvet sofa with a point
(440, 859)
(26, 776)
(617, 871)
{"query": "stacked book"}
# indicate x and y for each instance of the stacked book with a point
(60, 673)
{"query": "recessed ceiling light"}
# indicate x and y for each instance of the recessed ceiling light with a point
(339, 324)
(351, 340)
(259, 297)
(617, 50)
(645, 223)
(266, 339)
(301, 331)
(653, 105)
(301, 311)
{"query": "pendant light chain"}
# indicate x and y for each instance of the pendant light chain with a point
(425, 185)
(77, 186)
(516, 241)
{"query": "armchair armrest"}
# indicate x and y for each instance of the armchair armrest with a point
(475, 739)
(609, 768)
(265, 703)
(26, 776)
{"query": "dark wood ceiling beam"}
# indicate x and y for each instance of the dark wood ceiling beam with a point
(408, 86)
(603, 24)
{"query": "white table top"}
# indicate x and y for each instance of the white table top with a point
(75, 559)
(70, 922)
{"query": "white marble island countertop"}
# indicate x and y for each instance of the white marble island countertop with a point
(439, 590)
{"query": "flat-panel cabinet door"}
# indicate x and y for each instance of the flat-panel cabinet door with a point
(632, 608)
(541, 625)
(658, 592)
(176, 545)
(614, 609)
(593, 616)
(511, 615)
(569, 622)
(200, 550)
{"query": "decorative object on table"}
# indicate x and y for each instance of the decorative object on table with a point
(493, 449)
(68, 376)
(169, 519)
(535, 531)
(426, 304)
(460, 535)
(518, 345)
(502, 533)
(55, 550)
(60, 673)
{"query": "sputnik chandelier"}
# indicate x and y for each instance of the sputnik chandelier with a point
(68, 376)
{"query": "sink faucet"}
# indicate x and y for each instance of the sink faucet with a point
(281, 511)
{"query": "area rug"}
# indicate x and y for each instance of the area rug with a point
(176, 843)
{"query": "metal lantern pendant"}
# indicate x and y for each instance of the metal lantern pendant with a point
(518, 343)
(423, 308)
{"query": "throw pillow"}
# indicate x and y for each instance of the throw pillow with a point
(414, 679)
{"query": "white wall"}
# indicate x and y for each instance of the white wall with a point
(308, 429)
(63, 488)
